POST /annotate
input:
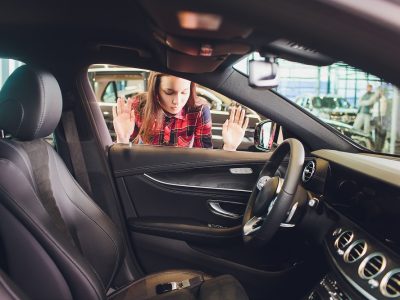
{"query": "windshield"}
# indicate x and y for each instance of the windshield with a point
(360, 105)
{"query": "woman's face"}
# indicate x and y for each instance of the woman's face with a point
(174, 93)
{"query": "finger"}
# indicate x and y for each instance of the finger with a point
(126, 108)
(246, 123)
(114, 112)
(232, 115)
(119, 106)
(130, 102)
(237, 115)
(130, 107)
(242, 115)
(225, 127)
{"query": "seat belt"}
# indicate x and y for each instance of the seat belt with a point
(75, 151)
(177, 285)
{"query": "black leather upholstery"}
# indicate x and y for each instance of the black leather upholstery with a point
(30, 105)
(57, 243)
(8, 290)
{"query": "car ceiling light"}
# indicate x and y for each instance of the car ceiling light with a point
(199, 21)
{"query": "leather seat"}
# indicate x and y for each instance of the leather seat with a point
(8, 290)
(57, 243)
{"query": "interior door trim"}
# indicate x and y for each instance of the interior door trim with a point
(193, 186)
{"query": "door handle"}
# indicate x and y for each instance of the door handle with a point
(216, 209)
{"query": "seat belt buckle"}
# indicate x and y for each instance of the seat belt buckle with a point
(171, 286)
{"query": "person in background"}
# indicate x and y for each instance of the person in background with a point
(380, 119)
(171, 114)
(365, 104)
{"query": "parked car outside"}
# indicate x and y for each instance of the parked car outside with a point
(338, 113)
(330, 107)
(110, 82)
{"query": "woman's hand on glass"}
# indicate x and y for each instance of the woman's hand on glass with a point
(234, 128)
(123, 119)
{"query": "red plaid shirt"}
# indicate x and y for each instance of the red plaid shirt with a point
(188, 128)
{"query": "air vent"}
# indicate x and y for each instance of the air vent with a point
(355, 251)
(390, 284)
(372, 266)
(344, 240)
(308, 171)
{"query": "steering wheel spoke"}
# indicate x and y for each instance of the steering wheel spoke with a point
(252, 225)
(270, 205)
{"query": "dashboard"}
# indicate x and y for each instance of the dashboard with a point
(361, 198)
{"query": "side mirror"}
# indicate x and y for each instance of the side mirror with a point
(265, 135)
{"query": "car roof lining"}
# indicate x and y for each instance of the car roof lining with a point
(311, 23)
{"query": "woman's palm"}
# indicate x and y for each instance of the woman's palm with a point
(123, 120)
(234, 128)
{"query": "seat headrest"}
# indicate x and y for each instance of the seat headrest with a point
(30, 104)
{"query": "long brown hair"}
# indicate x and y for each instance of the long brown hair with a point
(151, 111)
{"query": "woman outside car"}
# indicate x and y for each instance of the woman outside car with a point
(171, 114)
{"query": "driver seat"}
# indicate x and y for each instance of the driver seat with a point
(55, 242)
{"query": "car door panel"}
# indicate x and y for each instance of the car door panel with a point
(172, 200)
(196, 187)
(154, 199)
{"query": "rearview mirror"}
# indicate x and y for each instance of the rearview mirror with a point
(265, 135)
(263, 73)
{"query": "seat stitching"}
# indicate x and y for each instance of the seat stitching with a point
(43, 112)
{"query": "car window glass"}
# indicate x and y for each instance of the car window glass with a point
(7, 67)
(337, 94)
(109, 82)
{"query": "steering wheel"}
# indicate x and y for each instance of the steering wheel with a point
(272, 196)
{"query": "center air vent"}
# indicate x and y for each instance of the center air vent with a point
(355, 251)
(390, 284)
(372, 266)
(344, 240)
(308, 171)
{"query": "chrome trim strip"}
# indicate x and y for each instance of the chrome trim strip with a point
(287, 225)
(241, 170)
(194, 186)
(355, 285)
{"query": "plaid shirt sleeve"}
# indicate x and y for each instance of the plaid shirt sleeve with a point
(202, 135)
